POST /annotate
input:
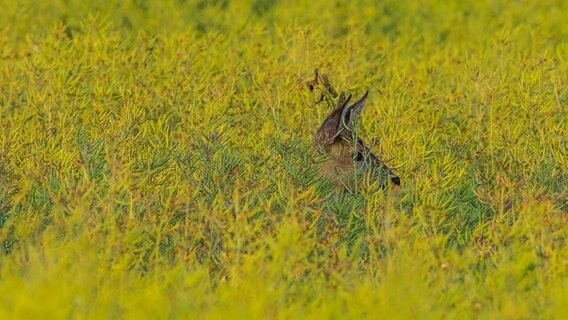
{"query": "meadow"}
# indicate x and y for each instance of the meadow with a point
(157, 160)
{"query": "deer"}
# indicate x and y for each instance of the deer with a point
(347, 161)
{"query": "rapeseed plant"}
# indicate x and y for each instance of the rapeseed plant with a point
(157, 160)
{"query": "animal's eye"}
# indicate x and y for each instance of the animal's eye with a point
(359, 156)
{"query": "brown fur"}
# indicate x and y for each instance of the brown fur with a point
(347, 159)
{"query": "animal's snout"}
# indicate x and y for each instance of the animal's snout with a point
(395, 180)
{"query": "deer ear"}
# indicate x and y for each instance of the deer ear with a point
(332, 126)
(350, 115)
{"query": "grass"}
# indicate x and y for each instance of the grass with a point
(157, 160)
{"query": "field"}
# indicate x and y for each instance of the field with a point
(157, 160)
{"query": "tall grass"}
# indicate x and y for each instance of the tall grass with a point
(156, 160)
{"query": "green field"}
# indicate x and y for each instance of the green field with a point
(157, 160)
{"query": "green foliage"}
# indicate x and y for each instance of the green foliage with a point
(156, 158)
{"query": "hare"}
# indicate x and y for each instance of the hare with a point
(346, 156)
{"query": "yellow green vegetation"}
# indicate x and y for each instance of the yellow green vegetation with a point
(157, 159)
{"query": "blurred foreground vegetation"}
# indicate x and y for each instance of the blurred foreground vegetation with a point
(156, 158)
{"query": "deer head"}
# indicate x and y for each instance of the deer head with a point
(347, 156)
